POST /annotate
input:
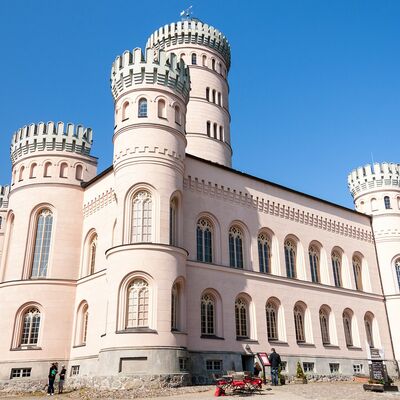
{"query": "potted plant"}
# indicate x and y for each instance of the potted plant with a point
(300, 375)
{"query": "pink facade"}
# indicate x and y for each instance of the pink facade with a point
(171, 262)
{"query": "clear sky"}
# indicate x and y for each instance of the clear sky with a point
(314, 84)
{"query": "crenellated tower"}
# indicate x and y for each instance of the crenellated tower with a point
(376, 192)
(150, 93)
(207, 53)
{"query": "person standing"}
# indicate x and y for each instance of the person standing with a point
(52, 377)
(275, 361)
(62, 379)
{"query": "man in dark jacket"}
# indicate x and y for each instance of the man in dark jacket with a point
(63, 372)
(52, 378)
(275, 361)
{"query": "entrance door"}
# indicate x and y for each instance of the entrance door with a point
(247, 362)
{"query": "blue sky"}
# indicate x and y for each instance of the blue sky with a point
(315, 84)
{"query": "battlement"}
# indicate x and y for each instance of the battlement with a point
(191, 32)
(4, 192)
(376, 176)
(51, 136)
(157, 68)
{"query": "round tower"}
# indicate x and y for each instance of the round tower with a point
(376, 192)
(207, 53)
(150, 94)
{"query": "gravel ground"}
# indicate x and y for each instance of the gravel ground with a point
(311, 391)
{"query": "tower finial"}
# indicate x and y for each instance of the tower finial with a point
(187, 14)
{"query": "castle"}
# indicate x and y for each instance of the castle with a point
(170, 262)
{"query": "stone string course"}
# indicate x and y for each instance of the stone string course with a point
(277, 209)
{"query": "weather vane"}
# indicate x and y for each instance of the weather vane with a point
(187, 14)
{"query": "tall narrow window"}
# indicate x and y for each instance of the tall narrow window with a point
(213, 96)
(298, 313)
(324, 324)
(271, 316)
(44, 226)
(386, 200)
(221, 133)
(161, 109)
(347, 328)
(213, 64)
(204, 61)
(235, 247)
(215, 131)
(313, 254)
(173, 222)
(207, 315)
(264, 253)
(142, 108)
(208, 128)
(368, 330)
(219, 99)
(47, 170)
(194, 58)
(336, 269)
(92, 254)
(357, 273)
(397, 269)
(21, 173)
(125, 111)
(79, 172)
(290, 259)
(204, 234)
(175, 308)
(142, 217)
(64, 170)
(33, 171)
(178, 115)
(208, 94)
(138, 304)
(85, 321)
(30, 328)
(1, 222)
(241, 318)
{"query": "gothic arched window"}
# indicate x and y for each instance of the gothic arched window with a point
(313, 254)
(175, 308)
(298, 314)
(357, 273)
(141, 217)
(208, 314)
(235, 247)
(30, 328)
(386, 200)
(368, 321)
(241, 318)
(336, 266)
(41, 252)
(204, 234)
(264, 253)
(142, 108)
(194, 58)
(173, 222)
(324, 324)
(138, 304)
(290, 259)
(92, 253)
(271, 316)
(397, 269)
(348, 334)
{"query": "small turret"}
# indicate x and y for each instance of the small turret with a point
(207, 53)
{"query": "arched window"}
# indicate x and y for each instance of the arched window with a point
(208, 128)
(235, 247)
(290, 259)
(175, 308)
(79, 172)
(241, 318)
(213, 96)
(21, 173)
(221, 133)
(213, 64)
(397, 269)
(92, 254)
(64, 170)
(324, 324)
(386, 200)
(219, 99)
(208, 314)
(208, 94)
(357, 273)
(313, 254)
(347, 317)
(1, 222)
(142, 108)
(141, 217)
(178, 117)
(374, 205)
(204, 60)
(271, 312)
(368, 320)
(162, 110)
(204, 234)
(33, 171)
(125, 111)
(298, 314)
(138, 304)
(194, 59)
(82, 320)
(215, 131)
(336, 266)
(173, 222)
(264, 253)
(47, 170)
(30, 328)
(40, 260)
